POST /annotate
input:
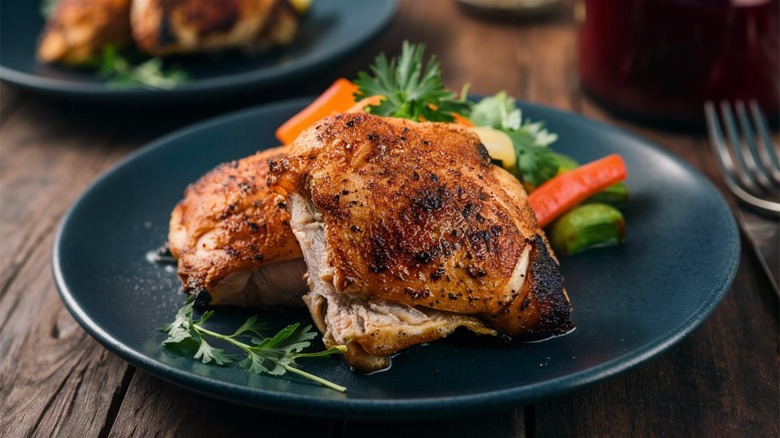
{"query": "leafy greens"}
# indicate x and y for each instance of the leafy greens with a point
(273, 355)
(536, 162)
(411, 88)
(121, 72)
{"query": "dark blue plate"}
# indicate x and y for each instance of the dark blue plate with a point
(330, 31)
(631, 302)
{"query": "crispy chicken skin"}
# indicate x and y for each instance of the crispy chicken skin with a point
(164, 27)
(232, 238)
(409, 231)
(79, 29)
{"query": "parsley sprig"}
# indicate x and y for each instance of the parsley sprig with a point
(536, 162)
(411, 88)
(120, 72)
(273, 355)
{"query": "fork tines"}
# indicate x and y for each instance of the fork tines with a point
(746, 156)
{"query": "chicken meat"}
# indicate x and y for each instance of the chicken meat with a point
(165, 27)
(79, 29)
(231, 235)
(410, 232)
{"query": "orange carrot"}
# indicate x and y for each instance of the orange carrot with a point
(337, 98)
(370, 100)
(557, 195)
(462, 120)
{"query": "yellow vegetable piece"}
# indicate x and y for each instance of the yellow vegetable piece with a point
(499, 146)
(301, 6)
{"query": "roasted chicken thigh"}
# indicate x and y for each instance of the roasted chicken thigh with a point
(164, 27)
(409, 232)
(232, 238)
(79, 29)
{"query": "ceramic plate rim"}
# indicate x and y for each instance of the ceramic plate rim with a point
(261, 78)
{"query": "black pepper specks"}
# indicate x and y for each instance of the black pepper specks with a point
(423, 257)
(476, 272)
(438, 273)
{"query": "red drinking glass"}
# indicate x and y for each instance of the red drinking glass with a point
(662, 59)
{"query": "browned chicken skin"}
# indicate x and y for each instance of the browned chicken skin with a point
(79, 29)
(408, 232)
(164, 27)
(232, 237)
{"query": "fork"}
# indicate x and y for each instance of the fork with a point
(748, 160)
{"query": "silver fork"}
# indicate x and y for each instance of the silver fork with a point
(751, 170)
(748, 160)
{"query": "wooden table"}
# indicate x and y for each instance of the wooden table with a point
(55, 380)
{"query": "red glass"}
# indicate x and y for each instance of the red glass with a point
(661, 59)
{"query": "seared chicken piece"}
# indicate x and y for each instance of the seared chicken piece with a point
(232, 238)
(409, 232)
(79, 29)
(164, 27)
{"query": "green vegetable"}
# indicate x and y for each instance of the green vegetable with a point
(615, 195)
(536, 162)
(120, 72)
(565, 162)
(412, 90)
(270, 355)
(587, 226)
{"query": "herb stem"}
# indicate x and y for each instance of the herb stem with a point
(337, 349)
(319, 380)
(205, 331)
(241, 345)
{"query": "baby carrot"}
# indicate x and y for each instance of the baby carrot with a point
(564, 191)
(337, 98)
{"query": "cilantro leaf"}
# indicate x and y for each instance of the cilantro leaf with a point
(120, 72)
(206, 353)
(280, 350)
(181, 327)
(411, 88)
(273, 355)
(250, 326)
(536, 162)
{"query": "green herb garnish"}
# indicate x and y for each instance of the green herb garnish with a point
(536, 162)
(121, 73)
(47, 7)
(264, 355)
(411, 89)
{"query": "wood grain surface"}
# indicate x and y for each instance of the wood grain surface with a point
(57, 381)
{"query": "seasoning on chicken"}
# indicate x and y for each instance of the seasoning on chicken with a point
(79, 29)
(232, 238)
(409, 232)
(165, 27)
